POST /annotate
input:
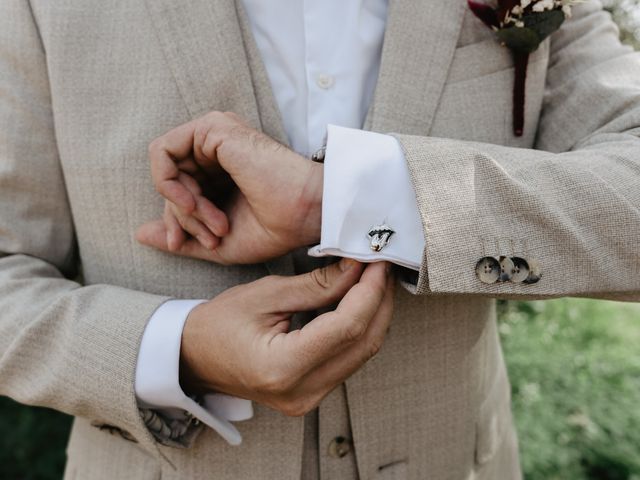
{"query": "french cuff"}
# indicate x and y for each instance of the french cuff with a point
(170, 415)
(369, 207)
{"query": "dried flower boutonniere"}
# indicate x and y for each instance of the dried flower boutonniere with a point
(522, 25)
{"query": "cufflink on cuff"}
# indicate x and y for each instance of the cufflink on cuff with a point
(379, 236)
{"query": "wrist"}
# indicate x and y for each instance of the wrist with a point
(191, 380)
(311, 204)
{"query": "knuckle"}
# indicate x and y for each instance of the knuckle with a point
(374, 347)
(373, 294)
(268, 281)
(319, 279)
(156, 145)
(200, 132)
(297, 407)
(214, 115)
(354, 330)
(274, 383)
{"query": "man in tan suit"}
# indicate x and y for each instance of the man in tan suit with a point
(85, 86)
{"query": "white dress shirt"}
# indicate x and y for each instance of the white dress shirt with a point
(322, 60)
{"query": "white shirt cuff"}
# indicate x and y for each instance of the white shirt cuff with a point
(367, 184)
(157, 384)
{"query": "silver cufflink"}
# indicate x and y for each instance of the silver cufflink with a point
(379, 236)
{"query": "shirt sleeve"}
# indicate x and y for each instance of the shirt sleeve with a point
(157, 384)
(368, 195)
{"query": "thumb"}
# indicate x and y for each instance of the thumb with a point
(153, 234)
(319, 288)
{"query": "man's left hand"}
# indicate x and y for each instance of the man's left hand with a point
(233, 194)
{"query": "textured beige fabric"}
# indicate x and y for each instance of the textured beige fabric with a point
(85, 85)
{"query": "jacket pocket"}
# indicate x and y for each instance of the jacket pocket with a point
(487, 57)
(97, 454)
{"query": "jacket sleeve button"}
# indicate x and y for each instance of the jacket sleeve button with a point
(535, 273)
(507, 269)
(488, 270)
(520, 270)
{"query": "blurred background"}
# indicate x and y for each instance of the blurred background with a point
(574, 366)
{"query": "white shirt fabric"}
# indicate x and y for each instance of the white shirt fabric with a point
(322, 60)
(367, 184)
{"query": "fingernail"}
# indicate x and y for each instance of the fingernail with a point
(346, 264)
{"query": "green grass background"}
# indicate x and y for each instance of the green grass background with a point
(575, 374)
(574, 367)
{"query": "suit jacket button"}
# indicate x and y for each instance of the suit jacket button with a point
(535, 273)
(507, 269)
(488, 270)
(339, 447)
(521, 270)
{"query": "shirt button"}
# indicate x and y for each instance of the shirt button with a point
(339, 447)
(325, 81)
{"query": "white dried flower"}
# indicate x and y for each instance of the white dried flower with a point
(517, 11)
(566, 9)
(520, 24)
(525, 3)
(543, 5)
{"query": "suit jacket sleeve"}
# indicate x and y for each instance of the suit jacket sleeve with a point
(62, 345)
(572, 204)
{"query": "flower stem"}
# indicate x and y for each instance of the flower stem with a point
(521, 61)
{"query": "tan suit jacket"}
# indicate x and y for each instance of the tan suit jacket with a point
(84, 87)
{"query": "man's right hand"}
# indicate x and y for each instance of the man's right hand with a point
(233, 194)
(239, 344)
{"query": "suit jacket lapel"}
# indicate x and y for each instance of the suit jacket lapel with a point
(204, 45)
(268, 110)
(419, 44)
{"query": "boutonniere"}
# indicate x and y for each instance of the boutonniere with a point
(521, 26)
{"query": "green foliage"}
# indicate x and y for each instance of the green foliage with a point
(32, 442)
(575, 375)
(537, 27)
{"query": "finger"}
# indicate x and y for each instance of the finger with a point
(188, 165)
(175, 234)
(214, 218)
(190, 184)
(206, 145)
(196, 229)
(319, 288)
(205, 211)
(164, 153)
(154, 234)
(336, 370)
(329, 334)
(209, 135)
